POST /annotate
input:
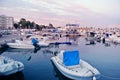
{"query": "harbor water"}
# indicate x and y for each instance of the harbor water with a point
(38, 65)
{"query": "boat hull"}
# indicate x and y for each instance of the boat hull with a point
(9, 66)
(71, 74)
(20, 46)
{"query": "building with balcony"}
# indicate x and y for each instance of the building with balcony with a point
(6, 22)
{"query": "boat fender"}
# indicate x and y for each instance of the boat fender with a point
(94, 78)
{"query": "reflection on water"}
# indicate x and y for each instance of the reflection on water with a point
(29, 58)
(91, 42)
(28, 53)
(25, 52)
(3, 48)
(15, 76)
(19, 50)
(58, 74)
(107, 44)
(74, 40)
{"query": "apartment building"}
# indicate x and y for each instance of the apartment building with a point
(6, 22)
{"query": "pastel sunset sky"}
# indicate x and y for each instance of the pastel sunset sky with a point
(60, 12)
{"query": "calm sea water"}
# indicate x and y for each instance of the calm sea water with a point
(38, 66)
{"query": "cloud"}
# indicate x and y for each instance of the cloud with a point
(60, 12)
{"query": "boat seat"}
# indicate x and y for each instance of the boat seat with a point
(75, 66)
(80, 65)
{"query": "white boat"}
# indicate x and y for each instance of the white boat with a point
(108, 40)
(9, 66)
(20, 44)
(113, 38)
(25, 44)
(43, 43)
(71, 66)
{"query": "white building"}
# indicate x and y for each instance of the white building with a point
(72, 26)
(6, 22)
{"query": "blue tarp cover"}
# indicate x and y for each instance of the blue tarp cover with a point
(34, 41)
(71, 58)
(54, 30)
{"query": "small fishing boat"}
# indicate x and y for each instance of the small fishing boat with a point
(26, 44)
(41, 41)
(9, 66)
(71, 66)
(20, 44)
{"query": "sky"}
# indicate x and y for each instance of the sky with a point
(86, 13)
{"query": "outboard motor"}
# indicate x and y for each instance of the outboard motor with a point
(36, 46)
(94, 78)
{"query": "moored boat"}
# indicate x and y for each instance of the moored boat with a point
(71, 66)
(26, 44)
(9, 66)
(20, 45)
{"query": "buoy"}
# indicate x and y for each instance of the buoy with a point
(94, 78)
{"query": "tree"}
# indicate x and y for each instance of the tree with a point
(50, 25)
(16, 25)
(22, 23)
(38, 27)
(43, 26)
(32, 25)
(28, 24)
